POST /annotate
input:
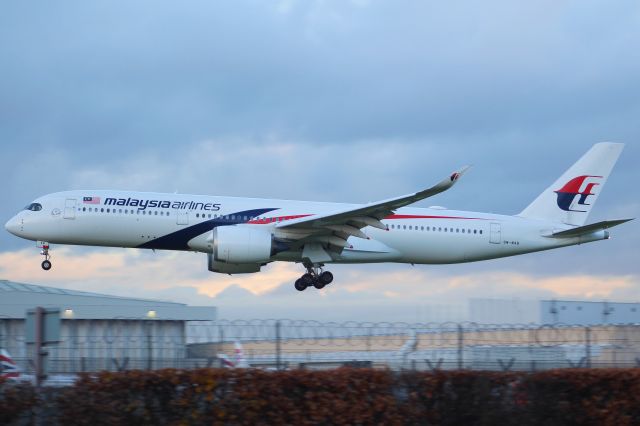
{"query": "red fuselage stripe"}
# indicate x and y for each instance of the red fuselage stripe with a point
(275, 219)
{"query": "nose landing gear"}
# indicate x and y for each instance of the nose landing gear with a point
(315, 277)
(46, 263)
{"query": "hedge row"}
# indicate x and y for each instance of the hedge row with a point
(344, 396)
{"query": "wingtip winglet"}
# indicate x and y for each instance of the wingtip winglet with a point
(457, 174)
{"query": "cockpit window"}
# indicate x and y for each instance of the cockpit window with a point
(34, 207)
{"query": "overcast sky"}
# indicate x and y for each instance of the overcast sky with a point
(319, 100)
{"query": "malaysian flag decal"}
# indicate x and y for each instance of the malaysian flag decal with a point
(91, 200)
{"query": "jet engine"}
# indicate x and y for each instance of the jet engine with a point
(232, 268)
(239, 244)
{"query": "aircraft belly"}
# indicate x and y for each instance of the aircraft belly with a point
(361, 250)
(426, 248)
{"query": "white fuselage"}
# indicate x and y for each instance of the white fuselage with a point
(185, 222)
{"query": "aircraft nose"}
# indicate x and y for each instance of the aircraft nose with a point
(13, 225)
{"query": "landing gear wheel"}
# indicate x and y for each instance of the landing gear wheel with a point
(325, 278)
(300, 285)
(313, 277)
(307, 280)
(46, 264)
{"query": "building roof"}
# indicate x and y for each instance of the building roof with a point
(16, 298)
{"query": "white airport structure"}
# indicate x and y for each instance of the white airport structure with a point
(99, 331)
(575, 312)
(552, 312)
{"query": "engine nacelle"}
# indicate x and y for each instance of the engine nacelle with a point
(239, 244)
(232, 268)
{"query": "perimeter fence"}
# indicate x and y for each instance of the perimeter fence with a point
(282, 344)
(423, 346)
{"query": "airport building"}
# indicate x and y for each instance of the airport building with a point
(99, 331)
(573, 312)
(555, 312)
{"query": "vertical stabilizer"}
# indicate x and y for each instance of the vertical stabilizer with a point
(8, 367)
(570, 199)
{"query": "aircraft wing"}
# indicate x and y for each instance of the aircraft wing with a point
(339, 226)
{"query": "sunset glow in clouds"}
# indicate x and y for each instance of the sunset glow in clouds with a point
(183, 277)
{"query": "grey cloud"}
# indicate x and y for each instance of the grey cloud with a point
(335, 101)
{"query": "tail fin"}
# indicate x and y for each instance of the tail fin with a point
(8, 367)
(241, 361)
(570, 199)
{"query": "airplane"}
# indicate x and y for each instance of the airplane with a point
(241, 235)
(10, 371)
(408, 348)
(8, 368)
(239, 360)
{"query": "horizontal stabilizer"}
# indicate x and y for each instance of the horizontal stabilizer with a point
(588, 229)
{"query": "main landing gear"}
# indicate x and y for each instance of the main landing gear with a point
(46, 263)
(315, 277)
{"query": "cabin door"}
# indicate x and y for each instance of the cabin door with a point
(70, 208)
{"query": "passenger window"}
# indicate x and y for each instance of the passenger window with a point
(404, 226)
(102, 210)
(481, 231)
(84, 209)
